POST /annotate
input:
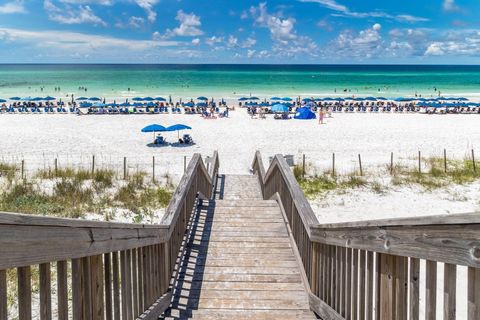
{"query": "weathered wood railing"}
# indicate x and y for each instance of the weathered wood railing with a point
(104, 270)
(372, 269)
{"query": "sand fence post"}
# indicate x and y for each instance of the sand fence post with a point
(333, 164)
(93, 164)
(391, 163)
(445, 160)
(303, 167)
(124, 168)
(153, 169)
(23, 167)
(56, 167)
(360, 164)
(473, 161)
(419, 162)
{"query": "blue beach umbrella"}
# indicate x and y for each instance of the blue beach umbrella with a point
(382, 98)
(148, 99)
(137, 99)
(85, 105)
(82, 99)
(15, 98)
(307, 100)
(243, 99)
(178, 127)
(3, 100)
(160, 99)
(201, 104)
(49, 98)
(281, 108)
(275, 98)
(371, 99)
(189, 104)
(287, 99)
(202, 98)
(339, 99)
(95, 99)
(253, 98)
(251, 104)
(154, 128)
(264, 104)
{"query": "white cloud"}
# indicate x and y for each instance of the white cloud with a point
(136, 22)
(196, 41)
(250, 53)
(213, 40)
(69, 15)
(148, 5)
(232, 42)
(281, 30)
(99, 2)
(248, 43)
(12, 7)
(189, 26)
(330, 4)
(434, 49)
(449, 5)
(409, 18)
(366, 43)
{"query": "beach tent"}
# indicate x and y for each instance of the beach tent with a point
(202, 98)
(304, 114)
(280, 108)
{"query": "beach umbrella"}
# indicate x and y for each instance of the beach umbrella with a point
(328, 99)
(161, 99)
(178, 128)
(15, 98)
(243, 99)
(81, 99)
(99, 105)
(49, 98)
(382, 98)
(264, 104)
(275, 98)
(150, 104)
(189, 104)
(462, 99)
(148, 99)
(154, 128)
(339, 99)
(3, 100)
(94, 99)
(371, 99)
(251, 104)
(307, 100)
(85, 105)
(281, 108)
(202, 98)
(253, 98)
(125, 104)
(287, 99)
(201, 104)
(137, 99)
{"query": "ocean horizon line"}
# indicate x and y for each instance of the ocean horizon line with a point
(237, 64)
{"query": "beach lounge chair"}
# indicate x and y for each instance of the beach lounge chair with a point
(159, 140)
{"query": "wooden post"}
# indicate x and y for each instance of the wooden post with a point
(445, 159)
(391, 163)
(23, 167)
(153, 169)
(303, 167)
(93, 164)
(56, 167)
(419, 162)
(333, 165)
(360, 163)
(473, 162)
(184, 164)
(124, 168)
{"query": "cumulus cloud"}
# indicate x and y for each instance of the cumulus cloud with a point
(367, 43)
(196, 41)
(189, 26)
(449, 5)
(249, 42)
(148, 5)
(71, 15)
(213, 40)
(13, 7)
(455, 43)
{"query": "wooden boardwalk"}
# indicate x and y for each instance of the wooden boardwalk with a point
(239, 262)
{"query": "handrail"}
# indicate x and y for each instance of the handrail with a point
(344, 262)
(117, 268)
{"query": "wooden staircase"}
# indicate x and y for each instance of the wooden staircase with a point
(239, 261)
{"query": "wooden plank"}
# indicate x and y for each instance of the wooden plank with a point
(348, 291)
(401, 288)
(338, 275)
(45, 292)
(116, 286)
(136, 311)
(369, 293)
(473, 293)
(414, 298)
(140, 279)
(96, 287)
(24, 293)
(108, 286)
(77, 290)
(123, 283)
(431, 290)
(354, 287)
(3, 295)
(449, 292)
(62, 290)
(387, 287)
(87, 287)
(378, 280)
(362, 286)
(447, 243)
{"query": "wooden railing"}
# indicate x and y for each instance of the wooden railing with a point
(372, 269)
(104, 270)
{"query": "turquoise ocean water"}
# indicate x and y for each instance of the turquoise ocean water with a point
(231, 81)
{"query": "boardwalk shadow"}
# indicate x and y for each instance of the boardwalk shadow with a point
(187, 291)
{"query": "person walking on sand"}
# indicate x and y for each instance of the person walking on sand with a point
(320, 115)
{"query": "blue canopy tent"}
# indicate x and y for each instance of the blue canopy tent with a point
(280, 108)
(304, 114)
(202, 98)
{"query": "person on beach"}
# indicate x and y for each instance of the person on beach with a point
(320, 115)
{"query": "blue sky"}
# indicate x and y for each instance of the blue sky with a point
(215, 31)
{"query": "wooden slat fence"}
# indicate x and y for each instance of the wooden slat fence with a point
(103, 270)
(371, 269)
